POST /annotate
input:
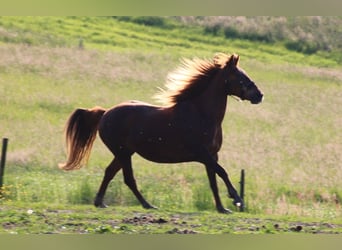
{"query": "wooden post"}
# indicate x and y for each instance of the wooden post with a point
(3, 161)
(242, 189)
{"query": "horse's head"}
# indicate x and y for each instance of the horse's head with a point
(238, 83)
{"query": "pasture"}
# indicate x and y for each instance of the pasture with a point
(289, 145)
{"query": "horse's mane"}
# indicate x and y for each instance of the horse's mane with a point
(190, 78)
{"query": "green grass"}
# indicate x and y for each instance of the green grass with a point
(289, 145)
(33, 219)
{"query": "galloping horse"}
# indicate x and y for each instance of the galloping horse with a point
(187, 128)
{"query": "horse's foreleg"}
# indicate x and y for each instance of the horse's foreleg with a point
(231, 190)
(212, 165)
(131, 183)
(110, 172)
(213, 185)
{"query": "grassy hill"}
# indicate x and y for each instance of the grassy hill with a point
(179, 35)
(309, 34)
(289, 145)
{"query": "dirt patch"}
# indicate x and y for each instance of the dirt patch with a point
(178, 226)
(144, 219)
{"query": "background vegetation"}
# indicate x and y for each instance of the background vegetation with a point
(303, 34)
(289, 145)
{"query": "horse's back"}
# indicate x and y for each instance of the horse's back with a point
(118, 122)
(124, 115)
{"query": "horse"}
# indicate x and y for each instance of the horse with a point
(187, 128)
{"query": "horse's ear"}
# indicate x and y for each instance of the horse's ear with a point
(233, 60)
(237, 58)
(220, 59)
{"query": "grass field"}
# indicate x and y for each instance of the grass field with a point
(289, 145)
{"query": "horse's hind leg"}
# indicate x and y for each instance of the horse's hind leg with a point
(131, 183)
(110, 172)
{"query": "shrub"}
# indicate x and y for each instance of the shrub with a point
(213, 29)
(302, 46)
(154, 21)
(231, 32)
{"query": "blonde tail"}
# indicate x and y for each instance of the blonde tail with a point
(80, 134)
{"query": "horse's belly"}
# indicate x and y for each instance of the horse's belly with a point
(163, 157)
(164, 150)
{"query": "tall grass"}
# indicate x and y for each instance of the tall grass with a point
(289, 145)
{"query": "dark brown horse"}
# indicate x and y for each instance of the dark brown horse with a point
(187, 128)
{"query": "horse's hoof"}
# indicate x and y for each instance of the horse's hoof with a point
(148, 206)
(224, 211)
(238, 203)
(100, 205)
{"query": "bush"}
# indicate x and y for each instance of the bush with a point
(153, 21)
(230, 32)
(302, 46)
(150, 21)
(213, 30)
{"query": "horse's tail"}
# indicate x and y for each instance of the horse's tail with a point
(80, 133)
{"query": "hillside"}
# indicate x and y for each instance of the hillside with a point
(310, 34)
(289, 145)
(276, 38)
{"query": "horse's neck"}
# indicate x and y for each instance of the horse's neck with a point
(212, 103)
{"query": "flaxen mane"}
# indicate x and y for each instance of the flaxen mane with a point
(190, 78)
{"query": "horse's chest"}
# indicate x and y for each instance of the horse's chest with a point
(212, 138)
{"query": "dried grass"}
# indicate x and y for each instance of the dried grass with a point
(88, 65)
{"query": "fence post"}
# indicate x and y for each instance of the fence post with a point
(3, 161)
(242, 189)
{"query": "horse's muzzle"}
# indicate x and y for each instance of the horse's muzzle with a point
(257, 98)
